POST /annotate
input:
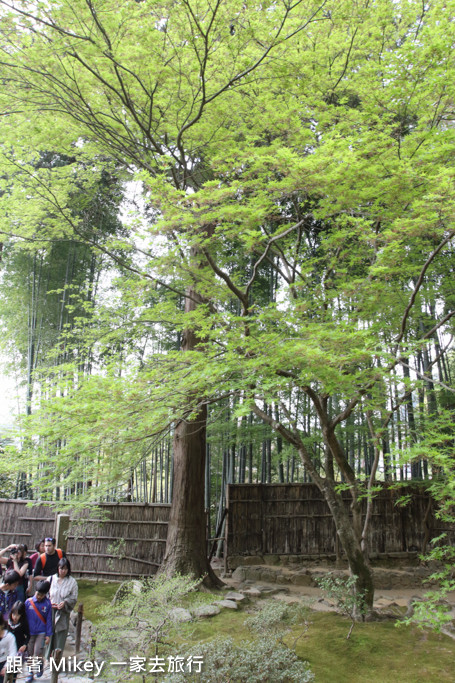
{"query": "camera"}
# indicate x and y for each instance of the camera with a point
(13, 551)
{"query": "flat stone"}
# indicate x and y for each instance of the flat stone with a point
(322, 606)
(239, 574)
(252, 592)
(267, 590)
(302, 579)
(233, 595)
(272, 559)
(383, 602)
(253, 560)
(229, 604)
(206, 611)
(179, 615)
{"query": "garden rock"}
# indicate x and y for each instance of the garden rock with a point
(230, 604)
(302, 578)
(233, 595)
(252, 592)
(239, 574)
(179, 615)
(206, 611)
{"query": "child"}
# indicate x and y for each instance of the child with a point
(8, 593)
(18, 625)
(7, 648)
(39, 616)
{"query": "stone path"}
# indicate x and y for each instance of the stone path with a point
(63, 677)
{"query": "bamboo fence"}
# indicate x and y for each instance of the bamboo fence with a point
(294, 519)
(107, 541)
(123, 540)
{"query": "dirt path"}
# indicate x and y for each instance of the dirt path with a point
(385, 599)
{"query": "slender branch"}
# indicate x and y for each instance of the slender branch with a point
(425, 377)
(431, 332)
(417, 287)
(263, 256)
(224, 276)
(347, 59)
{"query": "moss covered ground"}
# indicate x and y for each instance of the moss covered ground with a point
(93, 594)
(376, 652)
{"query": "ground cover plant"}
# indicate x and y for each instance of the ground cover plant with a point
(95, 594)
(376, 651)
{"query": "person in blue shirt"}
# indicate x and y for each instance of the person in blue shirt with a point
(39, 616)
(8, 593)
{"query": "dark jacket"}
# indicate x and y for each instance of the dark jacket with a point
(7, 600)
(20, 631)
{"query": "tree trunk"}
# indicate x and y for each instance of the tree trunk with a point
(186, 547)
(346, 529)
(349, 541)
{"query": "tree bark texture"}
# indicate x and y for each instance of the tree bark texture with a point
(186, 546)
(351, 545)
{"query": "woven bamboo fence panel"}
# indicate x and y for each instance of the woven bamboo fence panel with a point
(111, 541)
(294, 519)
(22, 524)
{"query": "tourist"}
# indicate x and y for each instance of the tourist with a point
(18, 626)
(8, 592)
(5, 553)
(47, 563)
(39, 616)
(20, 563)
(39, 548)
(63, 597)
(7, 648)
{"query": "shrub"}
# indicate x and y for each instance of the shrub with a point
(256, 661)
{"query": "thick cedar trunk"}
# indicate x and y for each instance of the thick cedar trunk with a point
(186, 546)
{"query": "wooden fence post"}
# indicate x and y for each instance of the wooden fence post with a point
(80, 617)
(92, 649)
(57, 656)
(62, 525)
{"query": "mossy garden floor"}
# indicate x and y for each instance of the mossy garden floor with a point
(377, 652)
(93, 594)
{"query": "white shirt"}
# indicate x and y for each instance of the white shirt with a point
(7, 646)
